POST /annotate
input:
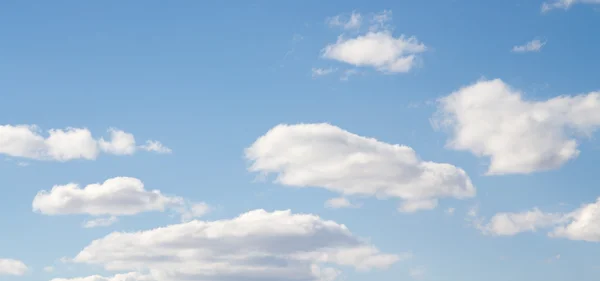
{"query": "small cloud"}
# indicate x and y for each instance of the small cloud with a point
(156, 146)
(553, 259)
(417, 273)
(531, 46)
(450, 211)
(348, 73)
(23, 164)
(340, 202)
(297, 38)
(100, 222)
(352, 21)
(318, 72)
(49, 269)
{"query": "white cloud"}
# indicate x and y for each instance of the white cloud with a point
(508, 224)
(378, 48)
(25, 141)
(49, 269)
(317, 72)
(120, 196)
(340, 202)
(581, 224)
(491, 119)
(121, 143)
(565, 4)
(531, 46)
(258, 245)
(132, 276)
(417, 273)
(100, 222)
(353, 21)
(325, 156)
(417, 205)
(12, 267)
(155, 146)
(450, 211)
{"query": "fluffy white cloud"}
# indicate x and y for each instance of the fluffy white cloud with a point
(12, 267)
(26, 141)
(325, 156)
(508, 224)
(121, 196)
(352, 21)
(582, 223)
(257, 245)
(565, 4)
(531, 46)
(378, 48)
(121, 143)
(491, 119)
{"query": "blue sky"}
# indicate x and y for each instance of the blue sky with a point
(207, 79)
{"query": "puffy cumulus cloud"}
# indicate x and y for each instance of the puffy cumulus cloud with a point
(489, 118)
(26, 141)
(12, 267)
(377, 48)
(121, 143)
(531, 46)
(120, 196)
(508, 224)
(258, 245)
(325, 156)
(565, 4)
(582, 224)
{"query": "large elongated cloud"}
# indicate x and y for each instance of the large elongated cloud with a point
(258, 245)
(491, 119)
(325, 156)
(121, 196)
(582, 223)
(12, 267)
(26, 141)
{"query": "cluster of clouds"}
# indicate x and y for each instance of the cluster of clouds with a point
(488, 119)
(28, 142)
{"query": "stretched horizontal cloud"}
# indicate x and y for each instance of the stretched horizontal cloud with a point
(258, 245)
(377, 48)
(582, 223)
(120, 196)
(12, 267)
(26, 141)
(325, 156)
(531, 46)
(565, 4)
(491, 119)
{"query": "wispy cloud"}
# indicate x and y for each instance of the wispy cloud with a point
(531, 46)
